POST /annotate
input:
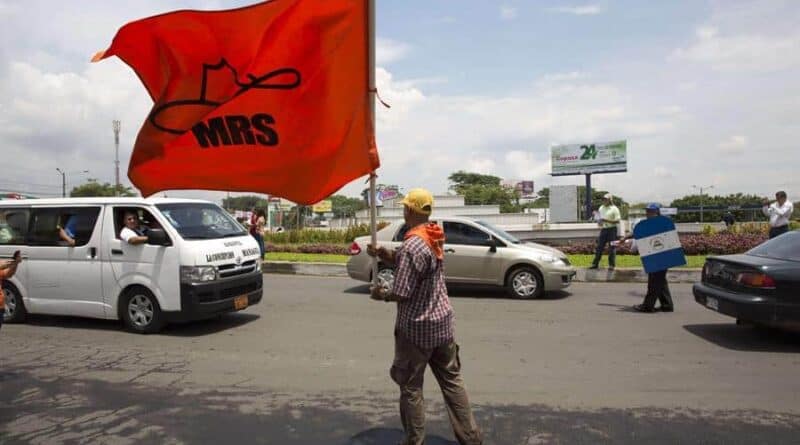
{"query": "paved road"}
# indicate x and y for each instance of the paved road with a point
(309, 366)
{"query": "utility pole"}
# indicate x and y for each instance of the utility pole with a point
(115, 125)
(63, 182)
(701, 199)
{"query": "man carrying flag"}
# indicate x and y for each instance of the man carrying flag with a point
(424, 327)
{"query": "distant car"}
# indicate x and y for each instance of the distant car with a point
(761, 286)
(476, 253)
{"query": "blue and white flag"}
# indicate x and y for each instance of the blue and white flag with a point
(658, 244)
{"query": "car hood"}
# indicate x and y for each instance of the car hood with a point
(539, 248)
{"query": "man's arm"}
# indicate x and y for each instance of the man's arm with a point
(130, 237)
(385, 255)
(785, 210)
(65, 237)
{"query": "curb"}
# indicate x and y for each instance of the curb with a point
(583, 275)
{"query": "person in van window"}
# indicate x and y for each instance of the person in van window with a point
(7, 270)
(68, 230)
(132, 233)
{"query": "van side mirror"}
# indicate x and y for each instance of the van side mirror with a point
(492, 243)
(158, 237)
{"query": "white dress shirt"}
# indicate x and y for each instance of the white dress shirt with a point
(778, 214)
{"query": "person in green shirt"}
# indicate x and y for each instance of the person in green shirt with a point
(609, 223)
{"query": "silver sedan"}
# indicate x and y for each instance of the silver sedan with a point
(476, 253)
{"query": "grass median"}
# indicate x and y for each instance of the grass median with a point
(695, 261)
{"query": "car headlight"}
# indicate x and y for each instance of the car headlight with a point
(552, 259)
(198, 274)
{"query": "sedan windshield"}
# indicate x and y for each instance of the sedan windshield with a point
(500, 232)
(201, 221)
(783, 247)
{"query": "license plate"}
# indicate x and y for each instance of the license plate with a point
(240, 302)
(712, 303)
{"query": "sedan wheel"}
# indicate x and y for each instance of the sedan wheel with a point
(386, 278)
(525, 283)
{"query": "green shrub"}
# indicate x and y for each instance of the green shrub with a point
(314, 236)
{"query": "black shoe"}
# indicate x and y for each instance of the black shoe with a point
(593, 267)
(611, 268)
(666, 309)
(642, 308)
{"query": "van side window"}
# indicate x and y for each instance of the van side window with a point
(45, 225)
(146, 219)
(13, 226)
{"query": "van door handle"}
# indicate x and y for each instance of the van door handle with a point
(93, 252)
(116, 252)
(450, 250)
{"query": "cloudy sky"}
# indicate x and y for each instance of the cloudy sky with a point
(705, 92)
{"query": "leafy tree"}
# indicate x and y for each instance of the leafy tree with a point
(245, 202)
(542, 201)
(479, 189)
(344, 206)
(718, 206)
(93, 189)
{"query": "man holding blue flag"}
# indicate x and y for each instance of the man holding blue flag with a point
(660, 248)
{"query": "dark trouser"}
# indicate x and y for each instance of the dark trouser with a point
(606, 236)
(260, 240)
(658, 288)
(775, 231)
(408, 371)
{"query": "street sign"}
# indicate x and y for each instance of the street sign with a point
(658, 244)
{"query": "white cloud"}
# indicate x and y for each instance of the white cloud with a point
(742, 51)
(578, 10)
(508, 12)
(734, 145)
(388, 51)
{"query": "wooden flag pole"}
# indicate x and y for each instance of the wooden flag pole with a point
(373, 208)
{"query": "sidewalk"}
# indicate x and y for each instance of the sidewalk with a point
(620, 275)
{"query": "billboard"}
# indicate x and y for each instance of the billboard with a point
(580, 159)
(523, 187)
(325, 206)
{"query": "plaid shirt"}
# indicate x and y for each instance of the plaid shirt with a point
(424, 313)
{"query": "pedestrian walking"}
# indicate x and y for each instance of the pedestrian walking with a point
(657, 285)
(779, 213)
(7, 270)
(609, 223)
(729, 219)
(424, 334)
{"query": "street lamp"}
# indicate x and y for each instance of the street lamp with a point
(701, 188)
(64, 180)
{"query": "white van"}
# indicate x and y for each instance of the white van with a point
(198, 261)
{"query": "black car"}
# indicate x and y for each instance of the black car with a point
(761, 286)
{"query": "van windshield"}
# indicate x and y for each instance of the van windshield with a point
(201, 221)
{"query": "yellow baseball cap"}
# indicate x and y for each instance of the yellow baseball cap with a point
(419, 200)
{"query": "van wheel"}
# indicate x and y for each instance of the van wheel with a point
(525, 283)
(141, 312)
(15, 309)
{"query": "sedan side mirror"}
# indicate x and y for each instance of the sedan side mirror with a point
(158, 237)
(492, 243)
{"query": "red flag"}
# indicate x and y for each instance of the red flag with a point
(270, 98)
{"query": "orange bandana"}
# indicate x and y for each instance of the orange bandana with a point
(432, 234)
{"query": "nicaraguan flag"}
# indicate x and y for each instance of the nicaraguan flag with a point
(658, 244)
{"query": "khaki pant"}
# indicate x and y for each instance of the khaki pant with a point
(408, 371)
